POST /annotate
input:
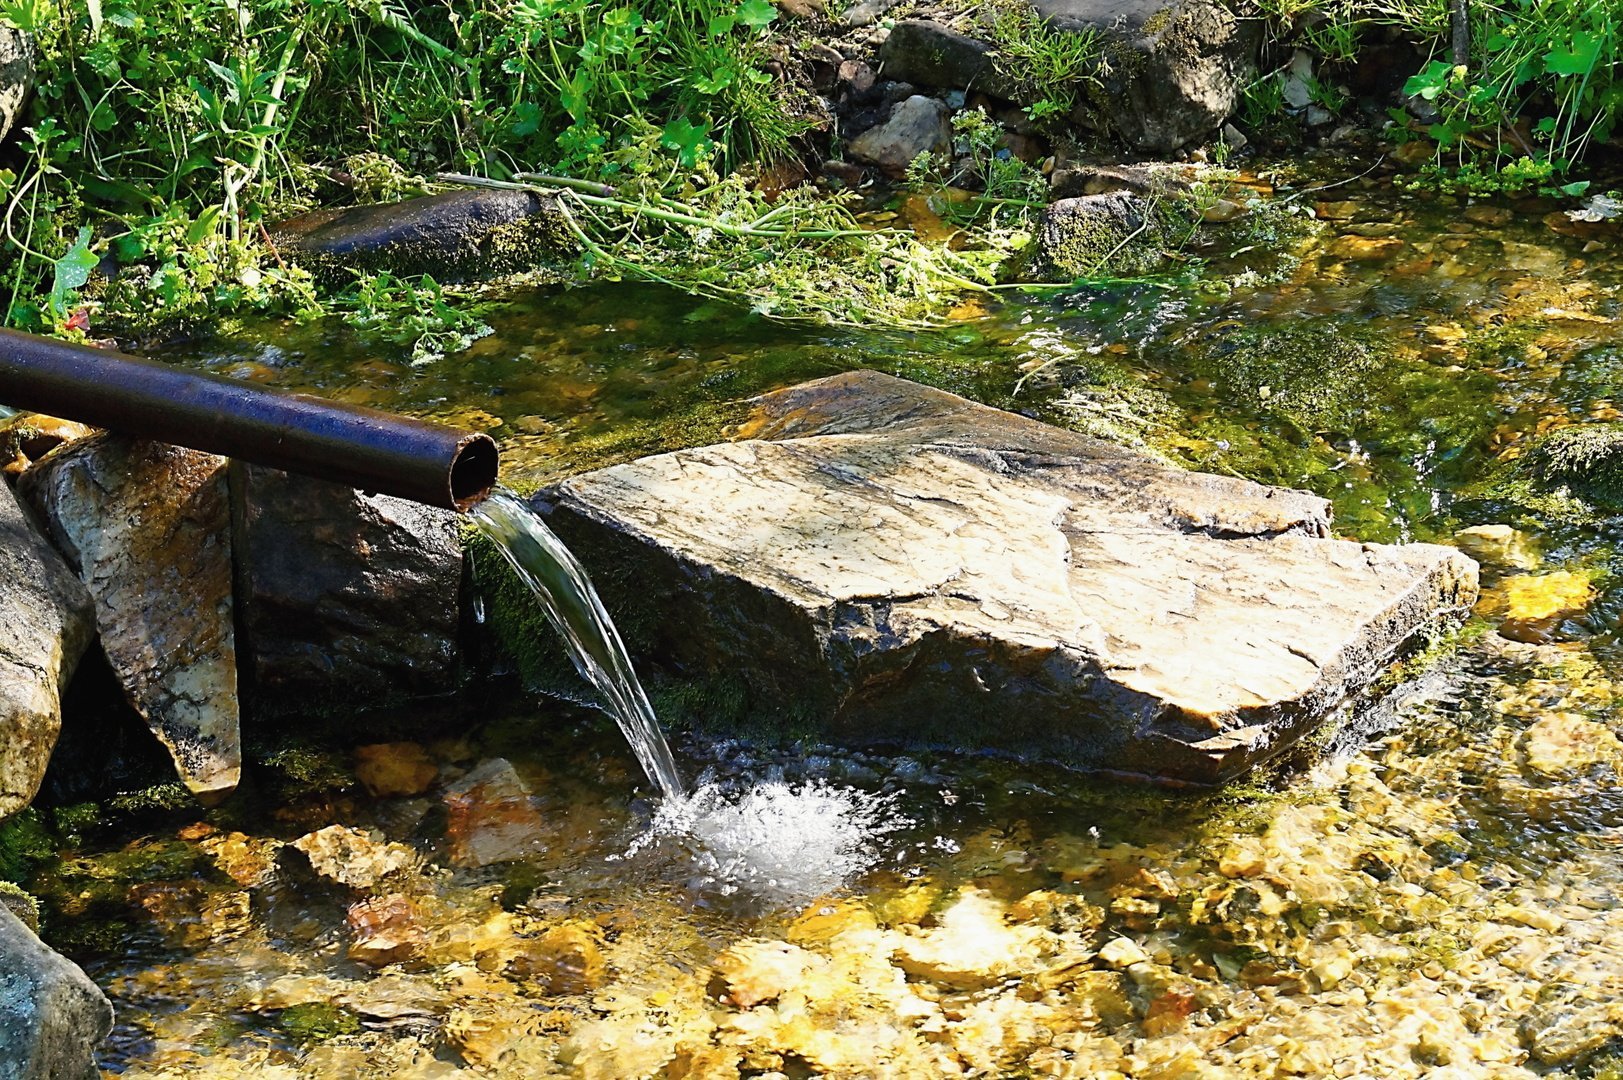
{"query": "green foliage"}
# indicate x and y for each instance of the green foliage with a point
(163, 133)
(414, 312)
(1051, 65)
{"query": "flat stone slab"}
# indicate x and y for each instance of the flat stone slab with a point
(147, 526)
(875, 561)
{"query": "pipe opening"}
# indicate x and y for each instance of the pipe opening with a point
(473, 473)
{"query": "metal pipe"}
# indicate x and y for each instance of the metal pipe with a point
(364, 448)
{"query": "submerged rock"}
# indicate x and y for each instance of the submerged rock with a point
(456, 236)
(349, 601)
(354, 858)
(493, 817)
(52, 1017)
(882, 562)
(47, 620)
(148, 528)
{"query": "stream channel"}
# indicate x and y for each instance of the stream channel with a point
(1441, 901)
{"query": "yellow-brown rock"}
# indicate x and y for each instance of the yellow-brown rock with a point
(566, 959)
(387, 931)
(757, 971)
(1562, 744)
(1536, 604)
(394, 770)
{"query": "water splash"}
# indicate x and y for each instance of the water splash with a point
(772, 841)
(572, 605)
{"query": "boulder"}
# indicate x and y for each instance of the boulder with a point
(1173, 69)
(16, 74)
(917, 125)
(147, 526)
(457, 236)
(925, 53)
(47, 620)
(52, 1017)
(349, 601)
(1091, 235)
(879, 562)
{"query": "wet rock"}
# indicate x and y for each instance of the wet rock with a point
(1172, 72)
(354, 858)
(52, 1017)
(456, 236)
(148, 528)
(20, 904)
(1097, 234)
(1535, 605)
(872, 553)
(757, 971)
(1562, 744)
(349, 601)
(1501, 547)
(925, 53)
(1569, 1033)
(47, 620)
(493, 817)
(394, 770)
(566, 959)
(1148, 180)
(387, 931)
(971, 946)
(1365, 248)
(917, 125)
(26, 438)
(16, 74)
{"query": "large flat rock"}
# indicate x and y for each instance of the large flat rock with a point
(876, 561)
(147, 526)
(46, 623)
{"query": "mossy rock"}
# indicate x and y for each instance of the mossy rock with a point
(20, 904)
(1100, 236)
(1319, 377)
(1572, 476)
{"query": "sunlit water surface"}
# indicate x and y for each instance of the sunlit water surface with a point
(1442, 902)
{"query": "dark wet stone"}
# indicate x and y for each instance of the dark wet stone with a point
(926, 53)
(47, 620)
(918, 125)
(349, 601)
(16, 74)
(148, 528)
(879, 562)
(52, 1017)
(457, 236)
(1174, 70)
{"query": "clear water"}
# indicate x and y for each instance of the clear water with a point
(1433, 905)
(572, 606)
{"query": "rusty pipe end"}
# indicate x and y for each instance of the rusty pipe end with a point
(473, 471)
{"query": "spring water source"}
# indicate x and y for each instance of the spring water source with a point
(768, 840)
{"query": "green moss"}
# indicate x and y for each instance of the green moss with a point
(304, 769)
(20, 904)
(76, 823)
(1585, 458)
(317, 1022)
(1317, 376)
(160, 798)
(25, 841)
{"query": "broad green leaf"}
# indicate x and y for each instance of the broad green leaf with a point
(687, 139)
(757, 14)
(1578, 60)
(1577, 187)
(71, 271)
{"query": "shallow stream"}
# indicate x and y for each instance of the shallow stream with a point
(1440, 902)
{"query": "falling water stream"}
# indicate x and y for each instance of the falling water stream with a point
(572, 605)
